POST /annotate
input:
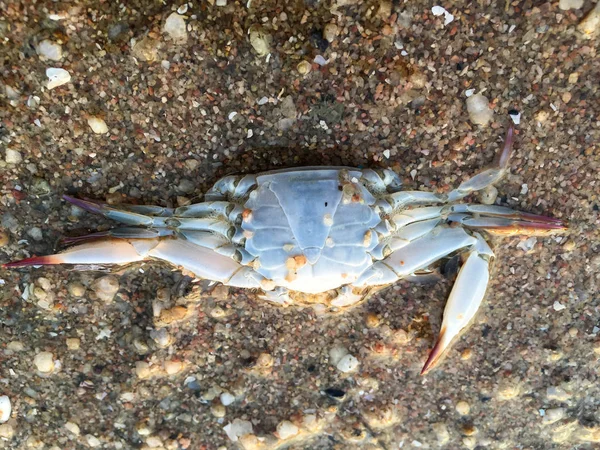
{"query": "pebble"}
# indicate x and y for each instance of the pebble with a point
(441, 431)
(57, 77)
(154, 442)
(286, 430)
(49, 50)
(106, 287)
(558, 306)
(173, 367)
(146, 49)
(97, 125)
(469, 442)
(76, 289)
(176, 28)
(15, 346)
(488, 195)
(161, 337)
(466, 354)
(553, 415)
(226, 398)
(6, 431)
(330, 32)
(372, 320)
(35, 233)
(72, 428)
(479, 109)
(439, 10)
(93, 441)
(73, 344)
(260, 40)
(569, 246)
(336, 354)
(566, 5)
(5, 409)
(557, 393)
(186, 186)
(237, 428)
(221, 2)
(528, 244)
(218, 410)
(508, 392)
(463, 408)
(347, 364)
(44, 362)
(12, 156)
(303, 67)
(566, 97)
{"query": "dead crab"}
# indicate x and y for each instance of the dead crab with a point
(314, 230)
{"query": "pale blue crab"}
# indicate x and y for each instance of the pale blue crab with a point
(314, 230)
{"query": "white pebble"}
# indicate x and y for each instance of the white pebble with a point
(286, 430)
(558, 306)
(232, 115)
(106, 287)
(386, 153)
(556, 393)
(590, 25)
(320, 60)
(221, 3)
(44, 362)
(336, 354)
(175, 27)
(182, 9)
(330, 32)
(516, 118)
(553, 415)
(97, 125)
(12, 156)
(227, 399)
(93, 441)
(488, 195)
(5, 408)
(463, 408)
(528, 244)
(57, 77)
(49, 50)
(469, 92)
(238, 428)
(438, 11)
(524, 189)
(348, 364)
(479, 110)
(260, 40)
(565, 5)
(72, 428)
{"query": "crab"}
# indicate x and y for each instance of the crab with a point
(317, 232)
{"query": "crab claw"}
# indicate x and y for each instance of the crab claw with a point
(464, 301)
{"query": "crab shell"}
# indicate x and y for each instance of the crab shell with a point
(316, 230)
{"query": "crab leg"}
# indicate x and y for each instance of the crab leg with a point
(464, 301)
(489, 176)
(203, 262)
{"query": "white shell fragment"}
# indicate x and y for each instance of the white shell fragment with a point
(13, 156)
(516, 118)
(57, 77)
(175, 27)
(590, 25)
(97, 125)
(439, 10)
(5, 408)
(44, 362)
(479, 110)
(286, 430)
(558, 306)
(347, 364)
(260, 41)
(49, 50)
(237, 429)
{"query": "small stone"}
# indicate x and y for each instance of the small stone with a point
(573, 78)
(93, 441)
(218, 410)
(73, 344)
(569, 246)
(7, 431)
(154, 442)
(260, 40)
(192, 164)
(468, 429)
(77, 290)
(528, 244)
(72, 428)
(12, 156)
(441, 431)
(566, 5)
(49, 50)
(186, 186)
(336, 354)
(286, 430)
(303, 67)
(221, 3)
(558, 306)
(142, 370)
(264, 361)
(479, 110)
(466, 354)
(463, 408)
(508, 391)
(330, 32)
(176, 28)
(106, 288)
(557, 393)
(146, 49)
(238, 428)
(372, 320)
(553, 415)
(439, 10)
(573, 332)
(35, 233)
(143, 429)
(5, 409)
(566, 97)
(97, 125)
(15, 346)
(4, 238)
(348, 364)
(385, 9)
(57, 77)
(488, 195)
(469, 442)
(226, 398)
(173, 367)
(44, 362)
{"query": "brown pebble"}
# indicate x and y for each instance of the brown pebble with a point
(4, 238)
(372, 320)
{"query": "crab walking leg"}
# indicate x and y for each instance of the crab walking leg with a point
(203, 262)
(489, 176)
(464, 301)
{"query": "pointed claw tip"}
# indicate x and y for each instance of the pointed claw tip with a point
(435, 354)
(33, 261)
